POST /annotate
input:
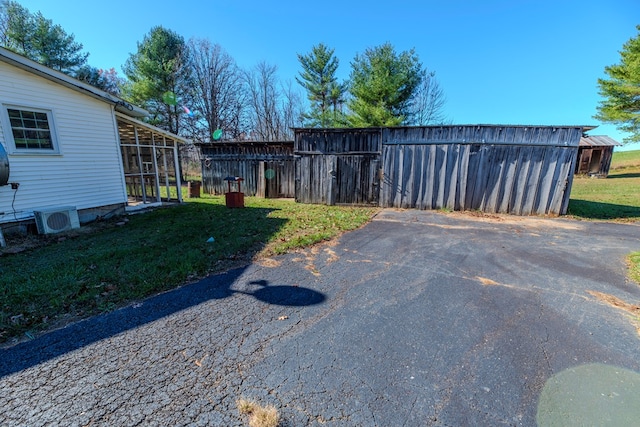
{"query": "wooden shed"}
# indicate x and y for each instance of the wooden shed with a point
(594, 155)
(521, 170)
(266, 167)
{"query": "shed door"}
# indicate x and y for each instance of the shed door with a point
(354, 179)
(594, 164)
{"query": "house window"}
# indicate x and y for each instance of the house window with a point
(31, 130)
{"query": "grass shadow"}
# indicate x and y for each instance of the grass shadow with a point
(624, 175)
(604, 211)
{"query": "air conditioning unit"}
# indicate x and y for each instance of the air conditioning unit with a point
(55, 220)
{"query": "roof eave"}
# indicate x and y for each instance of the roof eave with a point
(154, 128)
(38, 69)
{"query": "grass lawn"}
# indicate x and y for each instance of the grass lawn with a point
(85, 273)
(616, 197)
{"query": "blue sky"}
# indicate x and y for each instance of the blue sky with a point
(498, 62)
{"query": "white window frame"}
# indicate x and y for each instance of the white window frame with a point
(8, 131)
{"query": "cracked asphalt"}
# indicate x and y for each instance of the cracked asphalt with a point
(418, 318)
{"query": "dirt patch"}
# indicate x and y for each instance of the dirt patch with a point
(269, 262)
(19, 242)
(488, 282)
(525, 221)
(616, 302)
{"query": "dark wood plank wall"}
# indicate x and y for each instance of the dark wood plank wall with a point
(521, 170)
(506, 169)
(337, 166)
(254, 163)
(585, 166)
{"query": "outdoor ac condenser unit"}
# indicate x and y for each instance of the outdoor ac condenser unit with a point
(55, 220)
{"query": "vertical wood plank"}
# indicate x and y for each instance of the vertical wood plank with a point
(520, 180)
(472, 173)
(508, 177)
(463, 169)
(531, 187)
(545, 181)
(453, 158)
(441, 167)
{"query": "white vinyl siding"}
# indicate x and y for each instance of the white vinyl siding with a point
(86, 173)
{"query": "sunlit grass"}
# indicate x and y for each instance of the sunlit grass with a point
(634, 266)
(614, 198)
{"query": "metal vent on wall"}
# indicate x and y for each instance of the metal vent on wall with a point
(55, 220)
(4, 166)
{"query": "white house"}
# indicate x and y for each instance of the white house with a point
(66, 144)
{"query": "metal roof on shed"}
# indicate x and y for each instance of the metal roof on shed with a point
(598, 141)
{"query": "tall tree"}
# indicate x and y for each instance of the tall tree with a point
(427, 103)
(382, 85)
(272, 110)
(292, 110)
(621, 91)
(324, 92)
(38, 38)
(219, 96)
(157, 69)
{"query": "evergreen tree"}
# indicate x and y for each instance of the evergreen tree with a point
(621, 91)
(159, 78)
(37, 38)
(382, 86)
(326, 95)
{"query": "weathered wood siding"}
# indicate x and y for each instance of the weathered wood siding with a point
(267, 168)
(521, 170)
(508, 169)
(337, 166)
(595, 161)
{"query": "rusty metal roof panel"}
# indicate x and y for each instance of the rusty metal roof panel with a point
(598, 141)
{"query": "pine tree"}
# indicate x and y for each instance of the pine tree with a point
(39, 39)
(326, 95)
(382, 86)
(158, 68)
(621, 91)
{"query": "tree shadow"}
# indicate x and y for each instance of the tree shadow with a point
(598, 210)
(88, 331)
(285, 295)
(624, 175)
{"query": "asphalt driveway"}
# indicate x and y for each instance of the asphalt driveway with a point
(419, 318)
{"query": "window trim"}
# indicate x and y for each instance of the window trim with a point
(8, 131)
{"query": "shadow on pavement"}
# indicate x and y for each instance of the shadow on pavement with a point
(85, 332)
